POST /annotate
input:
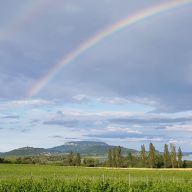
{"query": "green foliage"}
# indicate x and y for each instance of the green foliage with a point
(151, 155)
(90, 162)
(114, 158)
(87, 185)
(179, 158)
(78, 159)
(71, 158)
(98, 150)
(110, 160)
(187, 164)
(166, 157)
(119, 157)
(23, 171)
(143, 156)
(173, 155)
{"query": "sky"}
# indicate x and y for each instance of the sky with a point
(70, 72)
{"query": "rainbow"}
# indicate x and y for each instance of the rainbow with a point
(128, 21)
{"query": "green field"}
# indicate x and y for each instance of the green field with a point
(21, 171)
(17, 177)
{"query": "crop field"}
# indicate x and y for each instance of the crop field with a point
(21, 171)
(17, 177)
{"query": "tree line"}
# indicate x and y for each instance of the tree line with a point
(150, 159)
(166, 160)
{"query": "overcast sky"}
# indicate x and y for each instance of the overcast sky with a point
(131, 88)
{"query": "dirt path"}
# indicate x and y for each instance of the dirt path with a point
(148, 169)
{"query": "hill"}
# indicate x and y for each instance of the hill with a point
(85, 148)
(76, 146)
(29, 151)
(99, 150)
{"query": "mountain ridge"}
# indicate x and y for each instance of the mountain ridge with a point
(83, 147)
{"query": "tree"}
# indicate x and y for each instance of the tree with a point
(166, 157)
(151, 155)
(173, 155)
(130, 159)
(90, 162)
(110, 160)
(114, 157)
(78, 159)
(179, 158)
(70, 158)
(1, 160)
(143, 155)
(119, 157)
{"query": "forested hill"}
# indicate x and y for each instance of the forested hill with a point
(77, 146)
(29, 151)
(98, 150)
(88, 148)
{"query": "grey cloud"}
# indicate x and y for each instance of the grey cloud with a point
(62, 122)
(59, 113)
(11, 117)
(56, 136)
(150, 121)
(121, 134)
(25, 130)
(14, 122)
(134, 63)
(71, 138)
(34, 121)
(160, 127)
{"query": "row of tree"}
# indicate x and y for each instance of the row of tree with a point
(115, 158)
(150, 159)
(87, 161)
(169, 159)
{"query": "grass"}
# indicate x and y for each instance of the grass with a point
(21, 171)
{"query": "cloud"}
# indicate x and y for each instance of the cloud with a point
(177, 142)
(71, 138)
(180, 127)
(71, 123)
(11, 117)
(56, 136)
(115, 100)
(34, 121)
(150, 121)
(98, 131)
(14, 122)
(120, 134)
(98, 123)
(21, 103)
(160, 127)
(82, 97)
(25, 130)
(59, 113)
